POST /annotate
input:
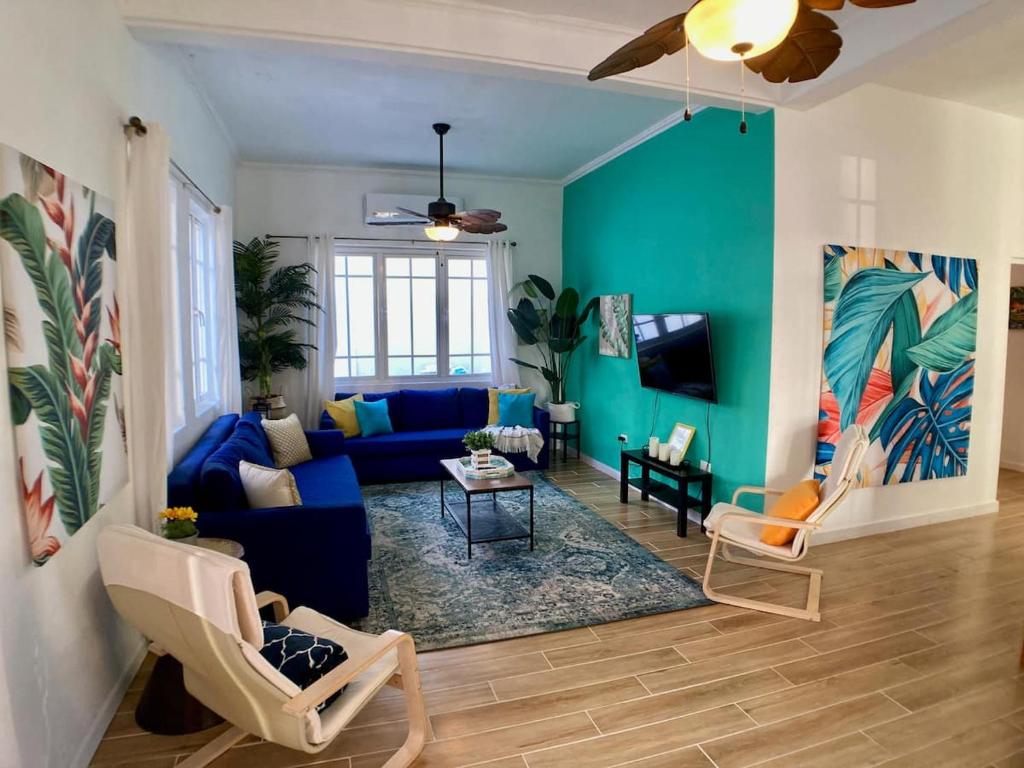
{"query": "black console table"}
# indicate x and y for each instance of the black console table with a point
(678, 496)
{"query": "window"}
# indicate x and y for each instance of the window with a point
(411, 313)
(192, 366)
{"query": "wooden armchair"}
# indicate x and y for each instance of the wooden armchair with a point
(731, 525)
(199, 606)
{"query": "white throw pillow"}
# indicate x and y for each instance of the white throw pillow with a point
(268, 487)
(287, 440)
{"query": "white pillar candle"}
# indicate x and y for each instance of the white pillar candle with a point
(664, 451)
(652, 447)
(675, 458)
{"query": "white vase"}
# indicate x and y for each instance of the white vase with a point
(480, 459)
(563, 412)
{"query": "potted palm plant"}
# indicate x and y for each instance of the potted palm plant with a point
(271, 303)
(554, 325)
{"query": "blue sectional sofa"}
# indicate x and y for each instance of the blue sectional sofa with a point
(429, 426)
(315, 554)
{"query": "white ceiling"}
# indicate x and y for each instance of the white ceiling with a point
(984, 69)
(631, 15)
(302, 108)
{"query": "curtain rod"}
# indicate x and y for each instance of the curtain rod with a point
(135, 124)
(380, 239)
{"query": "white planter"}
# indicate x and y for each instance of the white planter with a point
(563, 412)
(481, 459)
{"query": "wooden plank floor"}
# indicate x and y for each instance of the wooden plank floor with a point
(915, 663)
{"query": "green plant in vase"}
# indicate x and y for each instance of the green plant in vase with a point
(179, 523)
(271, 302)
(554, 325)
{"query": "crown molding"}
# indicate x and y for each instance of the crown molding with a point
(648, 133)
(390, 171)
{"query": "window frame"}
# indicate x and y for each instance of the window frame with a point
(380, 252)
(189, 414)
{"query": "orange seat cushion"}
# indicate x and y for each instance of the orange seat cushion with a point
(795, 504)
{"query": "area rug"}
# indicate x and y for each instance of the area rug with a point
(583, 570)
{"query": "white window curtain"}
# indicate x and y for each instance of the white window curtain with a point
(320, 362)
(504, 343)
(144, 274)
(228, 371)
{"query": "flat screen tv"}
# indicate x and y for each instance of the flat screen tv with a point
(673, 353)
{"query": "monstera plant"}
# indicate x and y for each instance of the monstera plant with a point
(554, 325)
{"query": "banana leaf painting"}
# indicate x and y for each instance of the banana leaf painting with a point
(616, 325)
(900, 333)
(63, 338)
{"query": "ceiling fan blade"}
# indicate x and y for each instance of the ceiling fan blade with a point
(824, 5)
(478, 216)
(880, 3)
(412, 213)
(810, 48)
(480, 229)
(664, 38)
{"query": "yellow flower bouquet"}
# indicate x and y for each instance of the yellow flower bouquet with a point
(179, 522)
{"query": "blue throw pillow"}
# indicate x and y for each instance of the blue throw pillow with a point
(301, 657)
(373, 418)
(515, 410)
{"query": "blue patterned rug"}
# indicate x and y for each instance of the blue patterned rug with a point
(582, 571)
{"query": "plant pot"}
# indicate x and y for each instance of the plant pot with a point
(185, 539)
(563, 412)
(480, 459)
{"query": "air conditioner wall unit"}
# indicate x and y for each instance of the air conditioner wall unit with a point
(382, 208)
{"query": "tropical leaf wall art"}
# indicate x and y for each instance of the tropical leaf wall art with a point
(63, 336)
(616, 325)
(900, 340)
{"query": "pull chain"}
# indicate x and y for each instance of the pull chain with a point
(743, 98)
(687, 115)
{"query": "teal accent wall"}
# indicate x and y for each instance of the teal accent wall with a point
(684, 222)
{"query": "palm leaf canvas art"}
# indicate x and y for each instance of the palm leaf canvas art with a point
(616, 334)
(63, 340)
(900, 332)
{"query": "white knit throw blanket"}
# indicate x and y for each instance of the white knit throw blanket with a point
(526, 440)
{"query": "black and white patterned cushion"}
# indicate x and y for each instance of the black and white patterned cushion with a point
(301, 657)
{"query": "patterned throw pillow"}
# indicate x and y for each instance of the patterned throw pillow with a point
(287, 440)
(301, 657)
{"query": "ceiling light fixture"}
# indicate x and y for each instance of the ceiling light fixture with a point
(441, 234)
(733, 30)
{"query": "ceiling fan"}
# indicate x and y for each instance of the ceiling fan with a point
(781, 40)
(445, 222)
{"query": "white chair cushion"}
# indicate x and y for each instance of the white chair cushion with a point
(361, 690)
(745, 533)
(287, 440)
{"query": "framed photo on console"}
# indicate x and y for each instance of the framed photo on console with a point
(682, 435)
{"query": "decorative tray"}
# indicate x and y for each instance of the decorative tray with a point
(500, 467)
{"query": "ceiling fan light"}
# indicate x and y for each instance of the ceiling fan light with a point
(730, 30)
(442, 234)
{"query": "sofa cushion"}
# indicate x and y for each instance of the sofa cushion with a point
(424, 409)
(447, 441)
(394, 404)
(220, 483)
(183, 482)
(473, 404)
(268, 487)
(328, 482)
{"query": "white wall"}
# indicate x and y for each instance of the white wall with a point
(73, 76)
(297, 200)
(1012, 456)
(936, 177)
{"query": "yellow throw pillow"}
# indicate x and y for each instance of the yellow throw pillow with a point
(795, 504)
(492, 401)
(344, 414)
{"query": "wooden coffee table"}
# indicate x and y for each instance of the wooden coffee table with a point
(486, 520)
